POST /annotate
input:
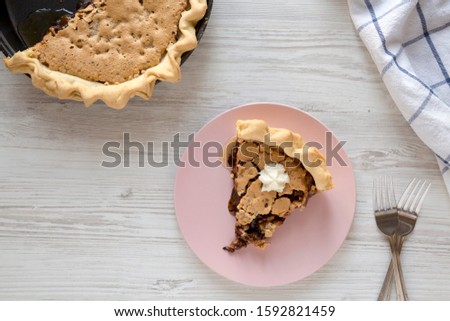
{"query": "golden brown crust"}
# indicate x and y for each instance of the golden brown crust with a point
(258, 212)
(254, 203)
(276, 158)
(292, 145)
(112, 41)
(66, 86)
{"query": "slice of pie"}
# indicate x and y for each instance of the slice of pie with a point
(113, 50)
(273, 173)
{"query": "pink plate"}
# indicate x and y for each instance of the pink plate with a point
(307, 240)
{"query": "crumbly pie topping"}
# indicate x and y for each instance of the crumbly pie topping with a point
(290, 144)
(113, 50)
(259, 211)
(132, 34)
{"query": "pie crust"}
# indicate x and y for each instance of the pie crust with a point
(292, 145)
(273, 173)
(117, 95)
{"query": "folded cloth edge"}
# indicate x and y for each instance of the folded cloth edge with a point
(412, 90)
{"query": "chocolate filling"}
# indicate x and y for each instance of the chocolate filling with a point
(254, 231)
(233, 202)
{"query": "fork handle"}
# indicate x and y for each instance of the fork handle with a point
(399, 281)
(386, 289)
(402, 280)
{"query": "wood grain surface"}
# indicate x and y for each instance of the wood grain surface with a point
(71, 229)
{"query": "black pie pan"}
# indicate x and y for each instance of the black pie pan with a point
(14, 13)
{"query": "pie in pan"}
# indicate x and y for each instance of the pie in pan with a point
(112, 50)
(273, 173)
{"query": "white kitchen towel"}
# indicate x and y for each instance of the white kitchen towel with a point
(410, 44)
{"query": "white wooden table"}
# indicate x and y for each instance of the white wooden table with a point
(71, 229)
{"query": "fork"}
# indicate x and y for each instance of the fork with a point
(386, 217)
(408, 209)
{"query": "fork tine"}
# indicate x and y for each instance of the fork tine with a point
(380, 201)
(392, 202)
(417, 195)
(411, 196)
(385, 194)
(405, 194)
(419, 205)
(379, 195)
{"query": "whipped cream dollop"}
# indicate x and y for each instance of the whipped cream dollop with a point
(273, 177)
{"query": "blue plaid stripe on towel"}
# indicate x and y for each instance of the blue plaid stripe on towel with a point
(410, 44)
